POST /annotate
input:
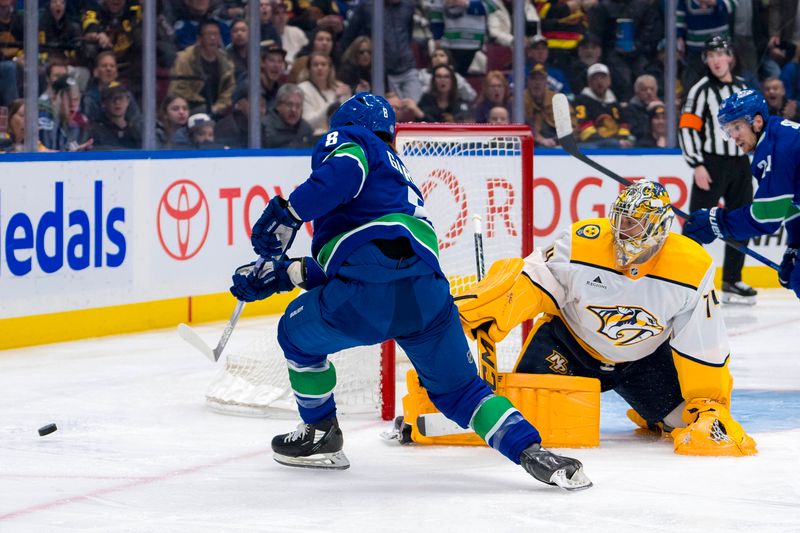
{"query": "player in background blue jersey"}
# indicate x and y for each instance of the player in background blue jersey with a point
(374, 275)
(775, 145)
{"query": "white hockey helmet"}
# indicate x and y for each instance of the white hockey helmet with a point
(641, 217)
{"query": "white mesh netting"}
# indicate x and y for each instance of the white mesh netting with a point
(459, 176)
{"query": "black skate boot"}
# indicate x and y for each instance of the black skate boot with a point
(312, 446)
(553, 469)
(738, 293)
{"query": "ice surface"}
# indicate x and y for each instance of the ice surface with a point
(136, 450)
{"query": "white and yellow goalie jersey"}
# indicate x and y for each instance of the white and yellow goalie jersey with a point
(624, 316)
(615, 316)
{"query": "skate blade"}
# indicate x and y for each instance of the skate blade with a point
(320, 461)
(578, 481)
(735, 299)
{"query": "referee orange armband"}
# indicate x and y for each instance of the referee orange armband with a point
(691, 121)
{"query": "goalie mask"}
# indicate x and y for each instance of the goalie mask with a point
(640, 220)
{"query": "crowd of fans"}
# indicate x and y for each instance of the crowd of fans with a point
(445, 61)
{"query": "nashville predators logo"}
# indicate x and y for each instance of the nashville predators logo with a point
(589, 231)
(558, 363)
(626, 325)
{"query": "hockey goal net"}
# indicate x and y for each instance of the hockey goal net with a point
(462, 170)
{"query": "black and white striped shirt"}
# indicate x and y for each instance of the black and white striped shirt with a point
(700, 132)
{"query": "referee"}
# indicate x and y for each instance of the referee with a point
(721, 169)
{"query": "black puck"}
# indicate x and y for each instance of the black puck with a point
(46, 430)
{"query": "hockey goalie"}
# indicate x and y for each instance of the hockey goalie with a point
(622, 302)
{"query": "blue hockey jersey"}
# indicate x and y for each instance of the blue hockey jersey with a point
(776, 167)
(359, 191)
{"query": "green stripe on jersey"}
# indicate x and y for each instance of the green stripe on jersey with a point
(351, 150)
(489, 415)
(771, 209)
(313, 382)
(420, 230)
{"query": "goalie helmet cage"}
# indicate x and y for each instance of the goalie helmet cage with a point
(462, 170)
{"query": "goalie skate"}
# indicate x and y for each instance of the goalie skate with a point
(312, 446)
(547, 467)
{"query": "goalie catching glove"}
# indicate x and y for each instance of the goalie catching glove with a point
(275, 229)
(711, 430)
(251, 283)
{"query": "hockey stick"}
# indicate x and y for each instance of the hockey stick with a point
(487, 352)
(193, 338)
(563, 121)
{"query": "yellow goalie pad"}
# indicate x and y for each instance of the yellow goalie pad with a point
(711, 430)
(565, 409)
(503, 299)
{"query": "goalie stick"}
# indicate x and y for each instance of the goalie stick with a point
(563, 121)
(193, 338)
(487, 353)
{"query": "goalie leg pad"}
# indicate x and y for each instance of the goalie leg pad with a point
(565, 409)
(711, 430)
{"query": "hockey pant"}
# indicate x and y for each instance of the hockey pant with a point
(373, 298)
(649, 385)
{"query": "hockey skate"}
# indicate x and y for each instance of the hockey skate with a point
(738, 293)
(312, 446)
(553, 469)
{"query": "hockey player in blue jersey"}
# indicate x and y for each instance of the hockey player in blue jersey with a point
(374, 275)
(775, 145)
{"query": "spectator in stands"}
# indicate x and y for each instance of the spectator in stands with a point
(237, 50)
(440, 56)
(114, 25)
(563, 24)
(321, 43)
(405, 109)
(629, 31)
(201, 131)
(499, 21)
(310, 14)
(499, 115)
(751, 42)
(171, 129)
(319, 92)
(697, 20)
(62, 127)
(11, 37)
(495, 92)
(538, 52)
(16, 126)
(113, 131)
(645, 92)
(55, 69)
(232, 131)
(790, 76)
(600, 120)
(187, 18)
(778, 104)
(398, 25)
(292, 38)
(656, 134)
(268, 31)
(589, 53)
(459, 27)
(105, 71)
(441, 103)
(272, 66)
(284, 126)
(539, 108)
(356, 65)
(59, 33)
(203, 74)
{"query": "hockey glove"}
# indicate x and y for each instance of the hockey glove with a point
(711, 430)
(705, 225)
(788, 275)
(275, 229)
(250, 284)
